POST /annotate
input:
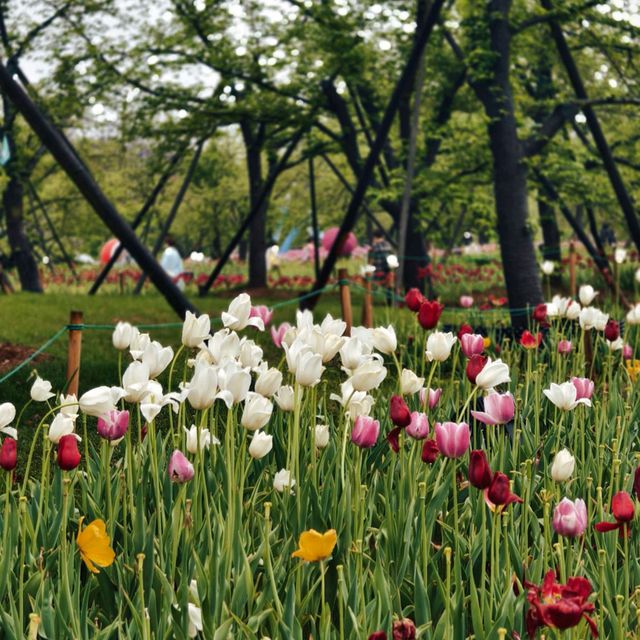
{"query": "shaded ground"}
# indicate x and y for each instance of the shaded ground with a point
(11, 355)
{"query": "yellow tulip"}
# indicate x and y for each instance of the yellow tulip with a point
(315, 546)
(93, 543)
(633, 369)
(486, 343)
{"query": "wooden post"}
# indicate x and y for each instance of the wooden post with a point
(345, 300)
(367, 305)
(572, 268)
(73, 354)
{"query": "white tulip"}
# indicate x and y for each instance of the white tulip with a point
(572, 311)
(616, 345)
(355, 403)
(157, 358)
(392, 261)
(284, 398)
(367, 270)
(410, 382)
(365, 335)
(333, 326)
(637, 275)
(321, 436)
(201, 390)
(224, 345)
(368, 375)
(250, 355)
(122, 335)
(69, 405)
(268, 382)
(564, 396)
(195, 329)
(7, 414)
(439, 346)
(238, 315)
(195, 620)
(493, 374)
(309, 369)
(353, 353)
(563, 465)
(234, 383)
(61, 426)
(304, 319)
(587, 294)
(205, 437)
(384, 339)
(257, 411)
(547, 267)
(41, 390)
(283, 480)
(330, 346)
(633, 317)
(620, 255)
(139, 342)
(99, 401)
(592, 318)
(135, 381)
(260, 445)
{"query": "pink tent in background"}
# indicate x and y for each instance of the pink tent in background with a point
(107, 250)
(329, 237)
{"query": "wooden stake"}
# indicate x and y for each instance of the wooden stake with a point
(74, 352)
(345, 300)
(572, 268)
(367, 305)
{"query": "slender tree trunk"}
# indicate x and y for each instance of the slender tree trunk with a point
(22, 255)
(550, 231)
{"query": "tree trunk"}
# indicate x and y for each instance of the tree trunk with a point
(257, 230)
(21, 253)
(509, 174)
(550, 231)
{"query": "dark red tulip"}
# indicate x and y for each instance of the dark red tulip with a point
(479, 470)
(464, 329)
(636, 483)
(557, 605)
(612, 331)
(429, 451)
(429, 313)
(378, 635)
(622, 509)
(499, 491)
(474, 366)
(399, 412)
(540, 313)
(68, 454)
(414, 299)
(393, 438)
(404, 629)
(9, 454)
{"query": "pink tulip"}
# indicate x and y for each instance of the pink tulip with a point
(499, 408)
(472, 344)
(277, 333)
(180, 469)
(584, 387)
(261, 311)
(433, 398)
(627, 352)
(365, 432)
(452, 438)
(570, 518)
(564, 347)
(466, 301)
(113, 425)
(418, 428)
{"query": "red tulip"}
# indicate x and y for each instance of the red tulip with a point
(529, 341)
(399, 412)
(429, 313)
(559, 606)
(623, 510)
(393, 438)
(475, 366)
(479, 470)
(9, 454)
(414, 299)
(540, 313)
(404, 629)
(430, 451)
(636, 483)
(499, 491)
(612, 330)
(464, 330)
(378, 635)
(68, 454)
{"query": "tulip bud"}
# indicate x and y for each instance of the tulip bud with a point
(404, 629)
(41, 390)
(636, 482)
(540, 313)
(122, 335)
(414, 299)
(321, 436)
(180, 469)
(622, 507)
(114, 425)
(378, 635)
(283, 480)
(429, 451)
(452, 438)
(68, 454)
(479, 470)
(399, 412)
(529, 341)
(464, 330)
(278, 333)
(261, 444)
(570, 518)
(563, 465)
(584, 387)
(499, 491)
(418, 428)
(195, 329)
(612, 330)
(564, 347)
(431, 398)
(9, 454)
(466, 301)
(429, 314)
(627, 352)
(365, 432)
(475, 366)
(471, 344)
